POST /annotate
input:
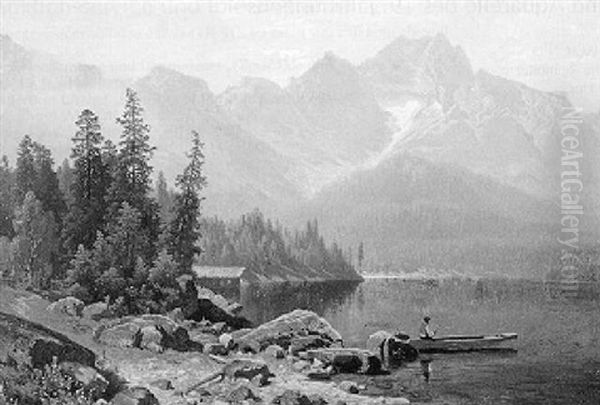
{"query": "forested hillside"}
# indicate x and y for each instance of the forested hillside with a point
(96, 227)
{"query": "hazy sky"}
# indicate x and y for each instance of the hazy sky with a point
(545, 44)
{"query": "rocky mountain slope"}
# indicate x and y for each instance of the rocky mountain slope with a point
(413, 126)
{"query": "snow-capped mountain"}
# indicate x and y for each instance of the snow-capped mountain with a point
(410, 149)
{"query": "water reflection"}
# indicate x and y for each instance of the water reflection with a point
(426, 368)
(263, 302)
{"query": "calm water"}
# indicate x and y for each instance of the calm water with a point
(558, 358)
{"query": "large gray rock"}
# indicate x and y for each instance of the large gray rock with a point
(249, 369)
(216, 308)
(122, 335)
(135, 396)
(70, 306)
(348, 360)
(289, 327)
(26, 343)
(290, 397)
(152, 332)
(96, 311)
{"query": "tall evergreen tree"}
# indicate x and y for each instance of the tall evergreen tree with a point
(35, 172)
(46, 187)
(132, 177)
(35, 241)
(25, 170)
(89, 185)
(184, 229)
(165, 198)
(131, 181)
(6, 198)
(65, 174)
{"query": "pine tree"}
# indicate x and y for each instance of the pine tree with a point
(127, 239)
(25, 171)
(46, 187)
(184, 229)
(89, 185)
(7, 205)
(35, 241)
(164, 198)
(35, 173)
(132, 177)
(65, 180)
(131, 181)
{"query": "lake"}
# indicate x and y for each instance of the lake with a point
(558, 357)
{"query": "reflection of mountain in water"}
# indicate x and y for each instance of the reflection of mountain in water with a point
(263, 302)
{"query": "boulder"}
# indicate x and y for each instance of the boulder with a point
(215, 348)
(127, 334)
(290, 397)
(135, 396)
(348, 360)
(376, 342)
(162, 384)
(70, 306)
(304, 343)
(153, 332)
(202, 337)
(216, 308)
(391, 349)
(275, 352)
(227, 341)
(349, 386)
(301, 365)
(176, 315)
(152, 339)
(96, 311)
(26, 343)
(286, 328)
(240, 394)
(248, 369)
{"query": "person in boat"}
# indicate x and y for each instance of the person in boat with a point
(425, 331)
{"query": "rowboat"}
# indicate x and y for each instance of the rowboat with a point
(465, 343)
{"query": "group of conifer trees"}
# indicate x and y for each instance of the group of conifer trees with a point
(93, 227)
(96, 229)
(258, 243)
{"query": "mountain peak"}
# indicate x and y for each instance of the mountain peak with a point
(164, 79)
(170, 84)
(330, 74)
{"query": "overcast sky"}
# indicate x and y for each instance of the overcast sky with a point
(544, 44)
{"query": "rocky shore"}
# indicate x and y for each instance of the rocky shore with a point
(298, 358)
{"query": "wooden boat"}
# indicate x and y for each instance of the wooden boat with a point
(465, 343)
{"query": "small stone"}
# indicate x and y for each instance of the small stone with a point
(240, 394)
(215, 348)
(162, 384)
(176, 315)
(134, 396)
(301, 365)
(349, 386)
(219, 327)
(318, 363)
(226, 340)
(259, 380)
(275, 351)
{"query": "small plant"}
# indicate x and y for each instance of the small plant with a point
(48, 386)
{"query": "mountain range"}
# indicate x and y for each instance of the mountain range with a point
(426, 161)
